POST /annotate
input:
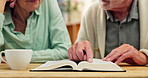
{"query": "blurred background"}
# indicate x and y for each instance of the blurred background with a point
(72, 11)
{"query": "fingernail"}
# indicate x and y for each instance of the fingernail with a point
(90, 60)
(103, 59)
(108, 59)
(116, 63)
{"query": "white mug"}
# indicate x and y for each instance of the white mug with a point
(17, 59)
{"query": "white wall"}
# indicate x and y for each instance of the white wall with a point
(86, 3)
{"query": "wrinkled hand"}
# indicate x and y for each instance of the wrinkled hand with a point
(3, 3)
(81, 51)
(4, 59)
(12, 3)
(124, 52)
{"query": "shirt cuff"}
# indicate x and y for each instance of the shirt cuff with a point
(1, 20)
(145, 51)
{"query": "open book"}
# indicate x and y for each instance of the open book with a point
(96, 65)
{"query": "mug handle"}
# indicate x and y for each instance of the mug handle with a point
(2, 57)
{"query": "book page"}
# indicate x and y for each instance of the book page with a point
(50, 65)
(98, 64)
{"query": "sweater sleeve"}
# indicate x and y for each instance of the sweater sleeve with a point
(145, 51)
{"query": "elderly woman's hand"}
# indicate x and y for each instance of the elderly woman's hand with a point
(12, 3)
(4, 59)
(125, 52)
(3, 3)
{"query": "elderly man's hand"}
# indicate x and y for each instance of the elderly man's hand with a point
(81, 51)
(124, 52)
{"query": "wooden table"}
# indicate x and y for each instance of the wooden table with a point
(131, 72)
